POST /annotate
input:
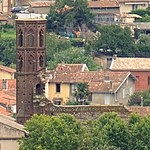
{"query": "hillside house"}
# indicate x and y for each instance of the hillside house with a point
(105, 11)
(40, 7)
(139, 67)
(105, 87)
(127, 6)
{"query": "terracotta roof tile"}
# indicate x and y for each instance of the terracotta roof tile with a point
(101, 4)
(71, 67)
(96, 79)
(3, 111)
(3, 18)
(130, 64)
(8, 97)
(41, 3)
(7, 69)
(133, 0)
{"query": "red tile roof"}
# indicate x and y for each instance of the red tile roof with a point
(133, 0)
(131, 64)
(3, 111)
(7, 69)
(71, 67)
(41, 3)
(96, 79)
(3, 18)
(8, 97)
(101, 4)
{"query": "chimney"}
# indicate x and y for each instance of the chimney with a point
(114, 56)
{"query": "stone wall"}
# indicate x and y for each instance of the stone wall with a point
(82, 112)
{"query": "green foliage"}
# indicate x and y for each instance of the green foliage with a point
(135, 99)
(145, 13)
(71, 102)
(110, 130)
(59, 19)
(81, 92)
(72, 56)
(55, 44)
(56, 133)
(7, 50)
(140, 134)
(133, 119)
(77, 42)
(141, 12)
(116, 39)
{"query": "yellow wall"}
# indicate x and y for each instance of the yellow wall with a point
(126, 8)
(64, 92)
(6, 75)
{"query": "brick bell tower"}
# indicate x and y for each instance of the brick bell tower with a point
(30, 64)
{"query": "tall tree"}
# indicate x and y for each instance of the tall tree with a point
(68, 13)
(110, 129)
(139, 133)
(116, 39)
(56, 133)
(81, 93)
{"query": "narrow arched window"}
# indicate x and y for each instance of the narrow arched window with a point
(30, 38)
(38, 89)
(41, 61)
(41, 38)
(20, 64)
(20, 38)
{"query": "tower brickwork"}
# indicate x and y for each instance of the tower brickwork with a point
(30, 63)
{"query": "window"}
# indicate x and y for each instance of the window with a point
(72, 88)
(20, 63)
(38, 89)
(58, 88)
(124, 93)
(41, 38)
(20, 38)
(149, 80)
(134, 7)
(131, 91)
(4, 86)
(41, 61)
(116, 96)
